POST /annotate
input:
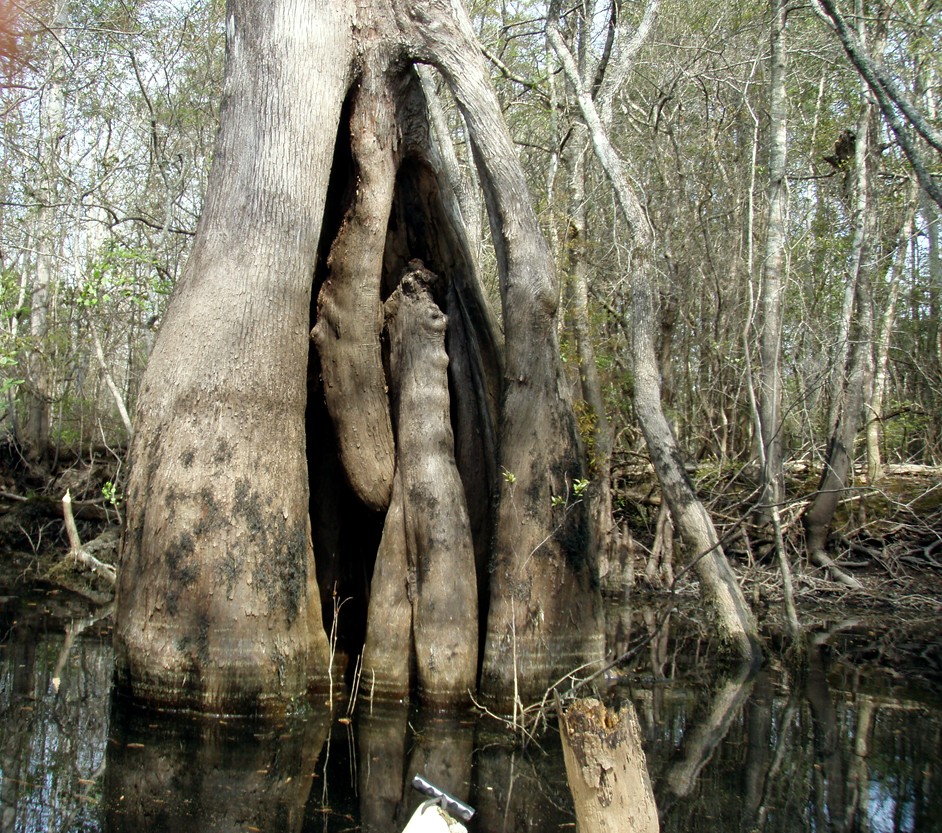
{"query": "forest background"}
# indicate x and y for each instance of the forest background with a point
(793, 239)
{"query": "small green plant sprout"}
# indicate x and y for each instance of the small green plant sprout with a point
(509, 477)
(579, 488)
(110, 493)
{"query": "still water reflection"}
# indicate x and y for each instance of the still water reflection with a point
(827, 749)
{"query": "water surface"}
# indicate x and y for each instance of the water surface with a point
(828, 746)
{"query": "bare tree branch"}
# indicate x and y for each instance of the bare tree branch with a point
(888, 94)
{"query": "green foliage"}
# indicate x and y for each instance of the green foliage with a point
(116, 275)
(111, 494)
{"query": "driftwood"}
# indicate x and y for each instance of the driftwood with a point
(77, 551)
(606, 769)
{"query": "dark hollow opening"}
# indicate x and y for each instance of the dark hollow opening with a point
(346, 533)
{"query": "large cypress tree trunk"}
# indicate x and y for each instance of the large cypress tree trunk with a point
(218, 607)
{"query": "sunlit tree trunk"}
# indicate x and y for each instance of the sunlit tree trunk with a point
(260, 470)
(218, 606)
(544, 618)
(772, 287)
(883, 341)
(722, 594)
(850, 389)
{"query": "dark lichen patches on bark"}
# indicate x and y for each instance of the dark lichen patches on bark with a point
(182, 572)
(210, 517)
(189, 574)
(152, 454)
(243, 488)
(280, 570)
(283, 575)
(171, 499)
(203, 625)
(228, 570)
(222, 452)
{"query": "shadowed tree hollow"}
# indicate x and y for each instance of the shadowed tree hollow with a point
(330, 416)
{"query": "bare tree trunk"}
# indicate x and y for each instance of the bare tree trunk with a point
(109, 381)
(439, 575)
(463, 184)
(598, 428)
(933, 224)
(733, 619)
(349, 314)
(544, 619)
(770, 295)
(850, 396)
(219, 503)
(38, 388)
(217, 602)
(883, 340)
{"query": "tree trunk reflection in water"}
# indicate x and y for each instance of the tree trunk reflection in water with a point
(381, 742)
(52, 734)
(844, 749)
(163, 775)
(702, 739)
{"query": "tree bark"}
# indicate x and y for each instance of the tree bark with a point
(217, 604)
(544, 619)
(219, 501)
(770, 296)
(883, 340)
(349, 310)
(606, 769)
(851, 388)
(429, 522)
(598, 430)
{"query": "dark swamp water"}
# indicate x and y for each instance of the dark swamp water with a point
(837, 746)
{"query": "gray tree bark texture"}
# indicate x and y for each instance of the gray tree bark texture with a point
(349, 312)
(326, 183)
(772, 286)
(217, 604)
(606, 769)
(544, 615)
(428, 551)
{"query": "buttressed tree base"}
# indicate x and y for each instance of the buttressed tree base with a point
(330, 424)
